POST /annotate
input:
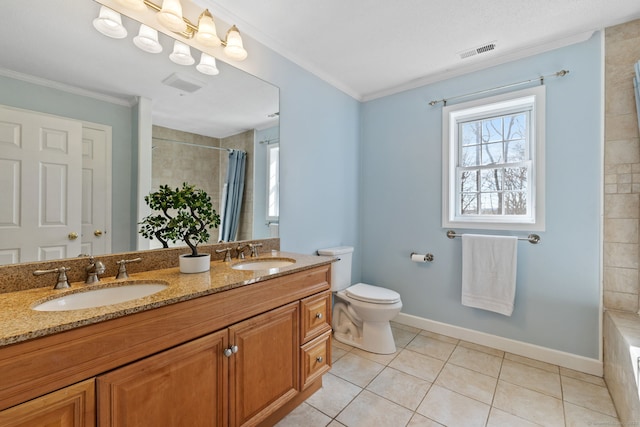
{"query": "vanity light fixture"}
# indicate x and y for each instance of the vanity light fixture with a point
(207, 65)
(181, 54)
(109, 23)
(170, 16)
(147, 40)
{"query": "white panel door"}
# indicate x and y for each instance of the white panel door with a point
(96, 191)
(40, 184)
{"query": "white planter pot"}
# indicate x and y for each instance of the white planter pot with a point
(198, 264)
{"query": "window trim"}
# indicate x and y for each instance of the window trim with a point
(271, 148)
(482, 108)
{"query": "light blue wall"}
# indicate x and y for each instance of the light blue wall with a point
(319, 149)
(558, 295)
(19, 94)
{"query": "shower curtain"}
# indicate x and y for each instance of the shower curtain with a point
(232, 196)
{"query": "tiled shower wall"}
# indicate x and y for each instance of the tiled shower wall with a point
(173, 164)
(621, 170)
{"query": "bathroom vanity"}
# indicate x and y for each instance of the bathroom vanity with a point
(226, 347)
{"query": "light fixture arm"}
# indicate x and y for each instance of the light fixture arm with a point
(191, 30)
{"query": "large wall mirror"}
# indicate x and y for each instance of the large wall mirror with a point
(165, 124)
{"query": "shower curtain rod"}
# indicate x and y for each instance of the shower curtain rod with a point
(560, 73)
(230, 150)
(269, 141)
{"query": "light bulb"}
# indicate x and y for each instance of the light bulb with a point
(109, 23)
(234, 48)
(147, 40)
(207, 65)
(133, 4)
(207, 30)
(181, 54)
(171, 16)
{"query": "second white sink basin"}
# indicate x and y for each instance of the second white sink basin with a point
(263, 264)
(100, 297)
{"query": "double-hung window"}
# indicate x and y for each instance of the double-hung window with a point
(493, 162)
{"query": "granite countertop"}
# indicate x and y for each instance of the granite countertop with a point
(19, 322)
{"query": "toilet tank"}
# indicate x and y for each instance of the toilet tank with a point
(340, 270)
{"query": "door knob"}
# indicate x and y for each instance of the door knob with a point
(97, 233)
(73, 235)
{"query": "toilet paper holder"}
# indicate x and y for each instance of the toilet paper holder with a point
(416, 257)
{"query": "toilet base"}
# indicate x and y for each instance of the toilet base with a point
(377, 337)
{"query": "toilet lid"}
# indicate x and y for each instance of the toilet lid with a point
(374, 294)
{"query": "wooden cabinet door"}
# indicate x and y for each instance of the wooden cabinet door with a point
(265, 370)
(183, 386)
(72, 406)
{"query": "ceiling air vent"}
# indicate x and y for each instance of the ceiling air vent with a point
(487, 47)
(183, 83)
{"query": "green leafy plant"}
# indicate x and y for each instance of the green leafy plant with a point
(185, 214)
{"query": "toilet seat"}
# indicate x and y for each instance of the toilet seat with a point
(373, 294)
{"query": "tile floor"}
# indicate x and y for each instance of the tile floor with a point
(434, 380)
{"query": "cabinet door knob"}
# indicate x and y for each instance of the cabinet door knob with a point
(319, 359)
(318, 315)
(73, 235)
(234, 349)
(227, 352)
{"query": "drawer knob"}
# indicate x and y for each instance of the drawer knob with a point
(319, 359)
(318, 315)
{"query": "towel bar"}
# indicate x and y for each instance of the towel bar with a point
(534, 239)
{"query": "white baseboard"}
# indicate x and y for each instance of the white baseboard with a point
(532, 351)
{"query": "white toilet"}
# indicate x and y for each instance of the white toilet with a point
(361, 312)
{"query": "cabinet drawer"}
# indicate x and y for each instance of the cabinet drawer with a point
(316, 359)
(316, 315)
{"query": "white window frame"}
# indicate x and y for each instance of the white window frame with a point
(273, 183)
(533, 100)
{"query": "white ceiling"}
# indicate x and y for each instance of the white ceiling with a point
(370, 48)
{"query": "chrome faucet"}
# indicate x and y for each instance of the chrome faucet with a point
(227, 255)
(254, 249)
(94, 269)
(240, 250)
(63, 282)
(122, 269)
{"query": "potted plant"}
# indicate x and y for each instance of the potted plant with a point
(185, 214)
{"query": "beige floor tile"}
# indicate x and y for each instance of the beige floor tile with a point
(582, 376)
(440, 337)
(369, 409)
(482, 348)
(588, 395)
(431, 347)
(453, 409)
(304, 415)
(532, 362)
(337, 353)
(418, 365)
(338, 344)
(421, 421)
(334, 395)
(396, 325)
(403, 389)
(498, 418)
(383, 359)
(467, 382)
(335, 423)
(402, 337)
(532, 378)
(475, 360)
(356, 369)
(577, 416)
(528, 404)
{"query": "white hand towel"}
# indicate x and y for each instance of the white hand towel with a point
(489, 272)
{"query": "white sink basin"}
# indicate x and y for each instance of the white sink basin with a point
(263, 264)
(100, 297)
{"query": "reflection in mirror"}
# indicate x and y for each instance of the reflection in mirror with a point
(98, 85)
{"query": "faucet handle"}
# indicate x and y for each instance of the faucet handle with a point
(227, 255)
(122, 270)
(63, 282)
(254, 248)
